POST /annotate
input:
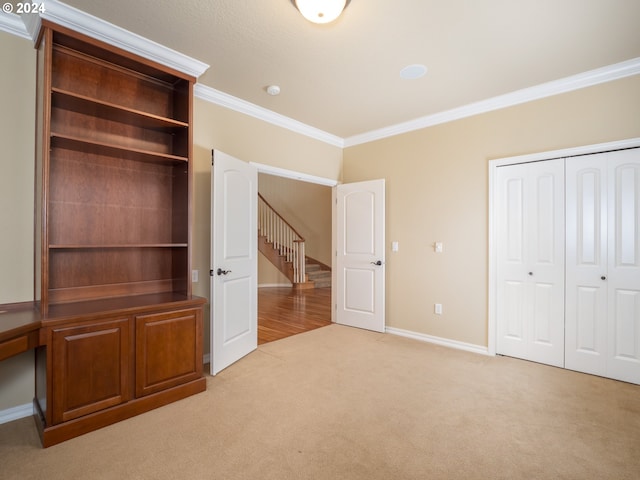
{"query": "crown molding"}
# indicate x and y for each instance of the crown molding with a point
(13, 24)
(567, 84)
(242, 106)
(28, 26)
(94, 27)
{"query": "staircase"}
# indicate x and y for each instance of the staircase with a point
(284, 247)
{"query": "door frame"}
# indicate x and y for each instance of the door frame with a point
(327, 182)
(493, 192)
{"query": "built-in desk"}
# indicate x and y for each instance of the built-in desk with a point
(19, 329)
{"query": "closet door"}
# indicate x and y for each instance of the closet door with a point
(603, 265)
(530, 269)
(623, 278)
(587, 264)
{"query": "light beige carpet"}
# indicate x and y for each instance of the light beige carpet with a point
(342, 403)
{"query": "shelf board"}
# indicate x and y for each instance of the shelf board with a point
(115, 246)
(79, 103)
(89, 146)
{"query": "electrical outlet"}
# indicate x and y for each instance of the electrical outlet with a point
(437, 309)
(194, 276)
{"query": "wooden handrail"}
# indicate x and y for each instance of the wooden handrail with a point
(284, 238)
(300, 237)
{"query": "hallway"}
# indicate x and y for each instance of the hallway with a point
(283, 312)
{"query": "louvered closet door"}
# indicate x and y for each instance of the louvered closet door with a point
(603, 265)
(530, 264)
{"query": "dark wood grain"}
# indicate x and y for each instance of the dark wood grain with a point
(283, 312)
(119, 332)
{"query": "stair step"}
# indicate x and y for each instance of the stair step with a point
(319, 274)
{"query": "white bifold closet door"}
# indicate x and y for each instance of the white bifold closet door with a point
(530, 250)
(603, 264)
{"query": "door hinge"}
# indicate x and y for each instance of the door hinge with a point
(211, 273)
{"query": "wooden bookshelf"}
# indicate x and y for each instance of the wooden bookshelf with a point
(120, 332)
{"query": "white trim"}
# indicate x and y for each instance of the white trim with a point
(493, 172)
(303, 177)
(78, 20)
(242, 106)
(444, 342)
(275, 285)
(13, 24)
(206, 358)
(70, 17)
(568, 84)
(15, 413)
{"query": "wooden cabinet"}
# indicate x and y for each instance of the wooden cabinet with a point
(115, 172)
(167, 335)
(90, 365)
(120, 331)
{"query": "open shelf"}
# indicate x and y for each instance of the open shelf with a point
(111, 246)
(89, 146)
(90, 106)
(113, 226)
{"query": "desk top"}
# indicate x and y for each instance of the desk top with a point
(17, 320)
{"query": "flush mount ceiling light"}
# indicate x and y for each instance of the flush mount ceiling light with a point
(321, 11)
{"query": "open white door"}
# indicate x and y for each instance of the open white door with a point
(234, 304)
(360, 263)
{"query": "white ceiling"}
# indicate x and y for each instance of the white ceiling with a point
(344, 78)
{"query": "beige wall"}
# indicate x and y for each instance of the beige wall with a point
(437, 190)
(251, 140)
(17, 113)
(214, 127)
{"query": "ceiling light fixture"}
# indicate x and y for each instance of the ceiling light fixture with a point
(273, 90)
(321, 11)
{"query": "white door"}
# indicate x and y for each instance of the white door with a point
(234, 305)
(603, 265)
(530, 264)
(587, 264)
(623, 275)
(360, 256)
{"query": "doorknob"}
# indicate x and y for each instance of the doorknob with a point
(530, 274)
(603, 277)
(379, 262)
(222, 272)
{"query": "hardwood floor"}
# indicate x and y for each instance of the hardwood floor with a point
(283, 311)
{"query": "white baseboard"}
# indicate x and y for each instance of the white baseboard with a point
(15, 413)
(445, 342)
(275, 285)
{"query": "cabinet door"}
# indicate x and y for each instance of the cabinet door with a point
(90, 368)
(168, 349)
